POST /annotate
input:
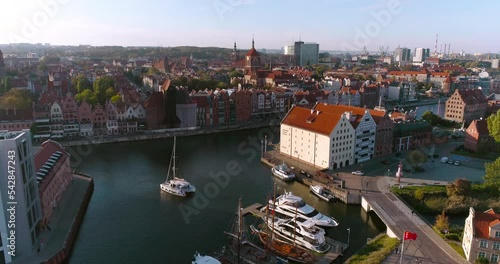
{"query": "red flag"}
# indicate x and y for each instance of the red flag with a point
(410, 236)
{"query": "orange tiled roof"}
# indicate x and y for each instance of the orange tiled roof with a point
(253, 52)
(483, 221)
(314, 121)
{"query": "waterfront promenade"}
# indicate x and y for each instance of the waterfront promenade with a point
(56, 242)
(167, 133)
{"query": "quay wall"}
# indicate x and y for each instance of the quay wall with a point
(63, 254)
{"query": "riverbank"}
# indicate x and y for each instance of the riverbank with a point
(167, 133)
(57, 242)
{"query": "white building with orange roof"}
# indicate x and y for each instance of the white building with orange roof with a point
(482, 236)
(322, 139)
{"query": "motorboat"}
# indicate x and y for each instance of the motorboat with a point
(201, 259)
(293, 206)
(322, 192)
(175, 185)
(310, 237)
(283, 172)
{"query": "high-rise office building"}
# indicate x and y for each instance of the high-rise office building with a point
(305, 53)
(421, 54)
(288, 49)
(402, 56)
(20, 210)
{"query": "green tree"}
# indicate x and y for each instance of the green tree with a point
(492, 176)
(100, 86)
(16, 99)
(481, 260)
(115, 99)
(417, 157)
(459, 187)
(235, 74)
(222, 85)
(5, 84)
(153, 70)
(81, 83)
(494, 126)
(320, 70)
(110, 92)
(442, 222)
(88, 96)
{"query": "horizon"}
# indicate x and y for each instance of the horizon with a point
(341, 25)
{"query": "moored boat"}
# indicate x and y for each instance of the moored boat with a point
(174, 185)
(283, 172)
(322, 192)
(202, 259)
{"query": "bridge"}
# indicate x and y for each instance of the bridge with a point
(429, 247)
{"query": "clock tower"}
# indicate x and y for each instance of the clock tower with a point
(252, 60)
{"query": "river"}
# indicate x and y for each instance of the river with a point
(129, 220)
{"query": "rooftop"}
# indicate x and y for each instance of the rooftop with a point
(5, 134)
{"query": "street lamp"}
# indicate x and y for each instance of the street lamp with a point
(348, 235)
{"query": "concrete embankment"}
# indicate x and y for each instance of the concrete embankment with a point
(166, 133)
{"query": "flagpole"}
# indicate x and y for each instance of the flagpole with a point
(402, 249)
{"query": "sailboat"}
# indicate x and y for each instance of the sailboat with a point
(174, 185)
(241, 249)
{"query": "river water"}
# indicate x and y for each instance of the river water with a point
(129, 220)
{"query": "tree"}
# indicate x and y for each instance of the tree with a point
(417, 157)
(492, 176)
(16, 99)
(481, 260)
(81, 83)
(222, 85)
(110, 92)
(442, 222)
(100, 87)
(115, 99)
(459, 187)
(153, 70)
(235, 74)
(88, 96)
(494, 126)
(320, 70)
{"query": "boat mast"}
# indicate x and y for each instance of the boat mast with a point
(295, 224)
(173, 156)
(239, 229)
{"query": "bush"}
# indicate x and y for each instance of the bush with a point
(419, 169)
(442, 224)
(420, 194)
(459, 187)
(436, 204)
(453, 236)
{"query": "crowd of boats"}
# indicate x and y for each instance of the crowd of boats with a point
(291, 229)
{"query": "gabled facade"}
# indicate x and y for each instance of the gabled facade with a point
(56, 120)
(477, 137)
(321, 139)
(112, 119)
(384, 134)
(482, 236)
(99, 120)
(70, 115)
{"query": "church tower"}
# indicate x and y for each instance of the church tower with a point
(2, 65)
(252, 60)
(235, 56)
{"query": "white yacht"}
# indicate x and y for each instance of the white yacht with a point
(174, 185)
(322, 192)
(283, 172)
(306, 235)
(291, 206)
(200, 259)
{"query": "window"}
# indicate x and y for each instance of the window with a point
(496, 245)
(497, 234)
(494, 258)
(483, 244)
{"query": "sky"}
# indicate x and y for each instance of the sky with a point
(468, 26)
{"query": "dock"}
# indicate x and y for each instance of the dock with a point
(337, 247)
(253, 209)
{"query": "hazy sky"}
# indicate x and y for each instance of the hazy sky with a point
(334, 24)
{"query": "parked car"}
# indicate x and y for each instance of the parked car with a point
(444, 159)
(457, 163)
(451, 161)
(360, 173)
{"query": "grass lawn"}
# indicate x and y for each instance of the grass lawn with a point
(455, 242)
(375, 251)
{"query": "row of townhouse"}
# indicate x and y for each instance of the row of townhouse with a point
(64, 117)
(334, 136)
(236, 106)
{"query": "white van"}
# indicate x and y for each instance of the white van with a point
(444, 159)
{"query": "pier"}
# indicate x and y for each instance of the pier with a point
(337, 247)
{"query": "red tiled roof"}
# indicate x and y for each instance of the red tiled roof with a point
(483, 221)
(473, 96)
(253, 53)
(48, 148)
(315, 121)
